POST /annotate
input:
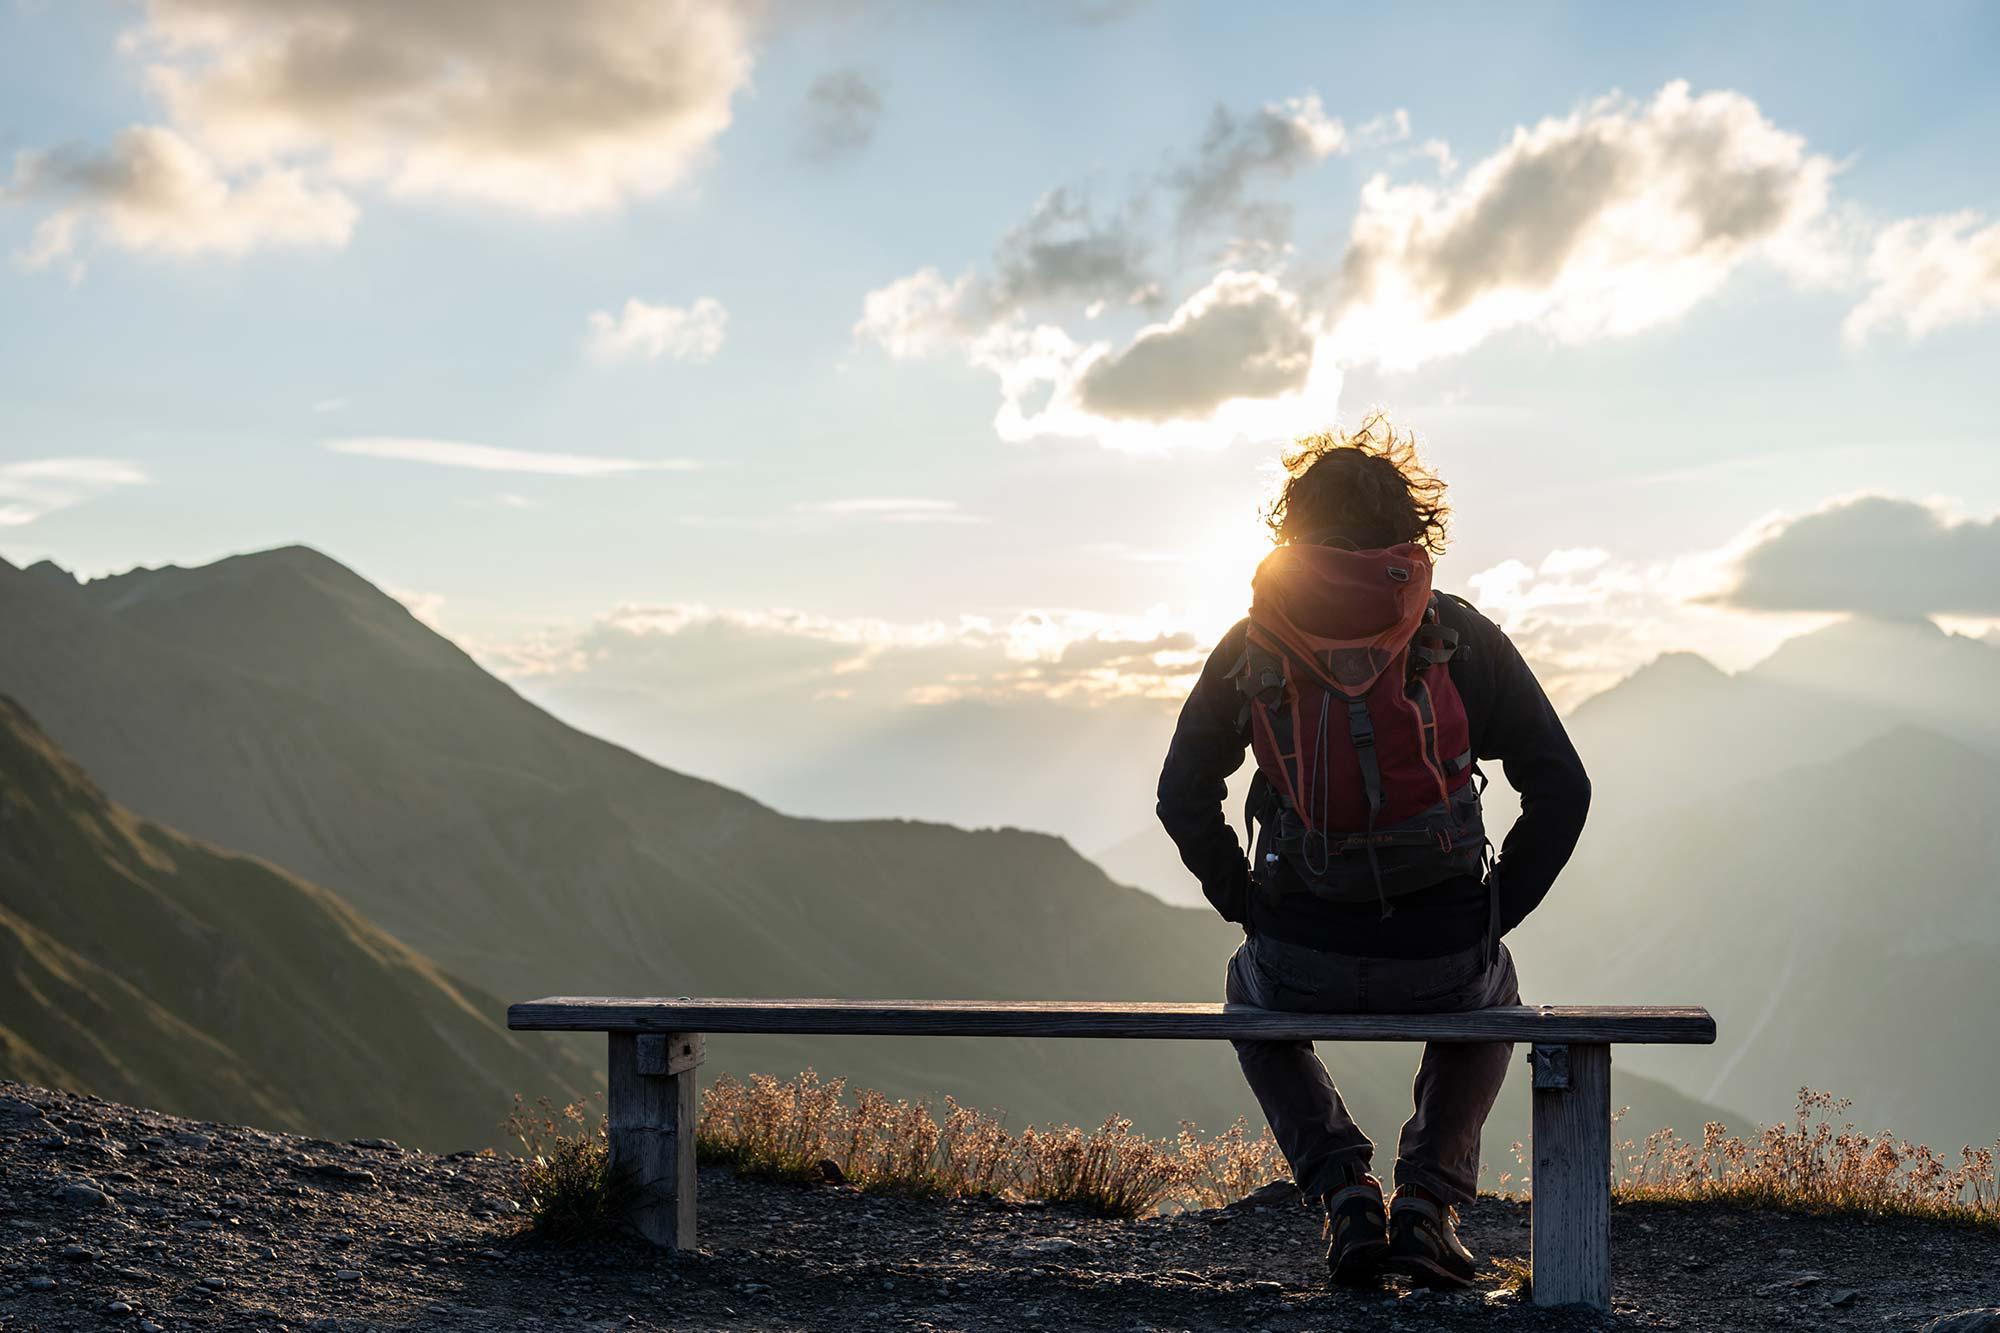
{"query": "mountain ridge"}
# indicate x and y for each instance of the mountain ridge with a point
(139, 962)
(534, 859)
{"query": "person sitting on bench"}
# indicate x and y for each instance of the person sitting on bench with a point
(1368, 700)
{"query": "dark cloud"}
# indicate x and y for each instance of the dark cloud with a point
(1875, 556)
(1272, 141)
(842, 110)
(1063, 252)
(1241, 337)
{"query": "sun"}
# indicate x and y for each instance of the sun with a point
(1218, 567)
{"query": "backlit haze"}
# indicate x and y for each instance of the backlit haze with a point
(870, 406)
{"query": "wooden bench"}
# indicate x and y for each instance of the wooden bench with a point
(656, 1047)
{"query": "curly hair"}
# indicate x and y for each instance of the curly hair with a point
(1366, 486)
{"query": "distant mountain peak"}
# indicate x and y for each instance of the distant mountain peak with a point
(1681, 665)
(49, 569)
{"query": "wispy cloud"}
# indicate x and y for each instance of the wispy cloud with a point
(37, 486)
(683, 333)
(891, 509)
(488, 458)
(1927, 274)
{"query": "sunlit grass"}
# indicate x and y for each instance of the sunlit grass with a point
(1813, 1165)
(810, 1129)
(807, 1129)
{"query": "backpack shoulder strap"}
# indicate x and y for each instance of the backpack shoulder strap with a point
(1435, 642)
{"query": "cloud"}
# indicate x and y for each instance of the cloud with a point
(1243, 336)
(487, 458)
(1277, 140)
(842, 109)
(1928, 274)
(549, 108)
(921, 314)
(1585, 618)
(1237, 360)
(684, 333)
(34, 487)
(274, 108)
(891, 509)
(1605, 222)
(1045, 655)
(1873, 555)
(1064, 253)
(154, 192)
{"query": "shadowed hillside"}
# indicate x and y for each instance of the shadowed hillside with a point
(279, 704)
(138, 963)
(1805, 848)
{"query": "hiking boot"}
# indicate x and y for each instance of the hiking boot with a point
(1357, 1234)
(1423, 1242)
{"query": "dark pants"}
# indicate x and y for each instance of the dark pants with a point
(1456, 1084)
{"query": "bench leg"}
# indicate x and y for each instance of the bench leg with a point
(1572, 1175)
(650, 1124)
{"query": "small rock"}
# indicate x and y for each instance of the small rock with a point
(494, 1255)
(148, 1326)
(214, 1283)
(1277, 1191)
(1842, 1297)
(347, 1275)
(117, 1308)
(17, 1114)
(79, 1195)
(1052, 1247)
(77, 1254)
(41, 1282)
(755, 1288)
(379, 1145)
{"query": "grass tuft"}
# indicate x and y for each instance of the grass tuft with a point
(1814, 1165)
(566, 1186)
(1515, 1277)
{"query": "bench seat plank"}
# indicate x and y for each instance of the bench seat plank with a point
(1545, 1025)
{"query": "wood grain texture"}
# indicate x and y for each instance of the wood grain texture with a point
(649, 1129)
(1572, 1184)
(1546, 1025)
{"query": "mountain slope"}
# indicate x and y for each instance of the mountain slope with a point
(1839, 918)
(139, 963)
(279, 704)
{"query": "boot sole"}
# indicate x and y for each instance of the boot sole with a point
(1429, 1273)
(1361, 1265)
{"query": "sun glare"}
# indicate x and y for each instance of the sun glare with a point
(1218, 569)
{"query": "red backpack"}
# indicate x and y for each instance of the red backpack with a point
(1361, 738)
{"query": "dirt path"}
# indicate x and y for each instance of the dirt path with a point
(116, 1218)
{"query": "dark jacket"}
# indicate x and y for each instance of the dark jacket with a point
(1512, 721)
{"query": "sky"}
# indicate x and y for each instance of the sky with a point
(837, 362)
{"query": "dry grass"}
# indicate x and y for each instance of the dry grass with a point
(1814, 1165)
(807, 1129)
(1515, 1277)
(566, 1185)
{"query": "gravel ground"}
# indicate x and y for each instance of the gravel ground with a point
(118, 1218)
